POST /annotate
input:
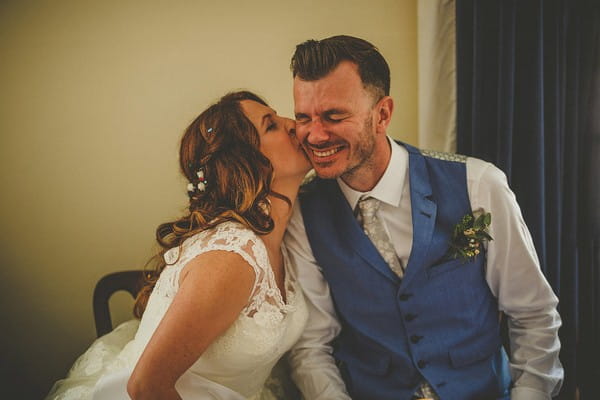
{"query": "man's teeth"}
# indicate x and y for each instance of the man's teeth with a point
(325, 153)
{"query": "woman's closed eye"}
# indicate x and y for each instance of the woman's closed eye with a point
(270, 123)
(272, 126)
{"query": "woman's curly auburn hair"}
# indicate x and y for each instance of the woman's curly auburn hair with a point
(224, 143)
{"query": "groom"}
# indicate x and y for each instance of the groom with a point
(370, 241)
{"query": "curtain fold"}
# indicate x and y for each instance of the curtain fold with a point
(527, 100)
(437, 74)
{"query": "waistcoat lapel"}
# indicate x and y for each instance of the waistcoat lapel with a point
(352, 234)
(424, 211)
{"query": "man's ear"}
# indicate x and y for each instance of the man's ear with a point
(383, 114)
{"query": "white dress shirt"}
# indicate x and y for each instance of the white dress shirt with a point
(512, 273)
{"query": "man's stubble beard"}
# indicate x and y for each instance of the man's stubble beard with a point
(364, 154)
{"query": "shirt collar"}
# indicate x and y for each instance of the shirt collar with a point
(389, 187)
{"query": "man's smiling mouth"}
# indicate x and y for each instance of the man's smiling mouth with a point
(326, 153)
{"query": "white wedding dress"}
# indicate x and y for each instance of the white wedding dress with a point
(236, 365)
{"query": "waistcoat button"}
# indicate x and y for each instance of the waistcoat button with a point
(405, 296)
(409, 317)
(415, 338)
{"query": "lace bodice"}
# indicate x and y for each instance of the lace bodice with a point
(268, 326)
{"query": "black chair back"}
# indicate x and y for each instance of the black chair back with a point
(130, 281)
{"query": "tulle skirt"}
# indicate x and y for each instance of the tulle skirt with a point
(100, 359)
(101, 373)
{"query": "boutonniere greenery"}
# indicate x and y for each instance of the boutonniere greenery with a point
(468, 237)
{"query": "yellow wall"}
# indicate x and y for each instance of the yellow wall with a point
(93, 99)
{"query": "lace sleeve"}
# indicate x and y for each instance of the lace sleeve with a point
(234, 237)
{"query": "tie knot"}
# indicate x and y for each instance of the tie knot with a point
(368, 206)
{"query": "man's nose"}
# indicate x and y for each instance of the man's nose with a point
(317, 133)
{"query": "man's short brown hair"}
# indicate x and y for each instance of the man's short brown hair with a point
(314, 59)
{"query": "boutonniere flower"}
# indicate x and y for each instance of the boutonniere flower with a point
(469, 235)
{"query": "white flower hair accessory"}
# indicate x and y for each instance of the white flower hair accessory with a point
(201, 185)
(201, 180)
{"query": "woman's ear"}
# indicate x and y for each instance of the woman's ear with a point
(383, 114)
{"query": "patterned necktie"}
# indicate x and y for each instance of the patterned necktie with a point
(375, 230)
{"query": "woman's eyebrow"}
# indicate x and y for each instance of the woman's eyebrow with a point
(265, 118)
(267, 115)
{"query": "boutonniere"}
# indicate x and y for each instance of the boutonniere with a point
(468, 236)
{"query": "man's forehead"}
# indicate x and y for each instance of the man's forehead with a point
(321, 106)
(323, 96)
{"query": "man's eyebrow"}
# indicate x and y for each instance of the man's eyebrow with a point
(326, 113)
(334, 111)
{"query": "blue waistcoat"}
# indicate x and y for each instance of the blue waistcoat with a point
(439, 323)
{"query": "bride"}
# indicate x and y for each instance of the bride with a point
(221, 307)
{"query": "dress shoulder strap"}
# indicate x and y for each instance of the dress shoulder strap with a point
(227, 236)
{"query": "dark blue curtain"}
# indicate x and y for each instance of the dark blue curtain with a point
(528, 101)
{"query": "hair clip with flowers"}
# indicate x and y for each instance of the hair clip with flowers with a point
(201, 185)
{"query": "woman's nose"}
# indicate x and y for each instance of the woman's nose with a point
(290, 126)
